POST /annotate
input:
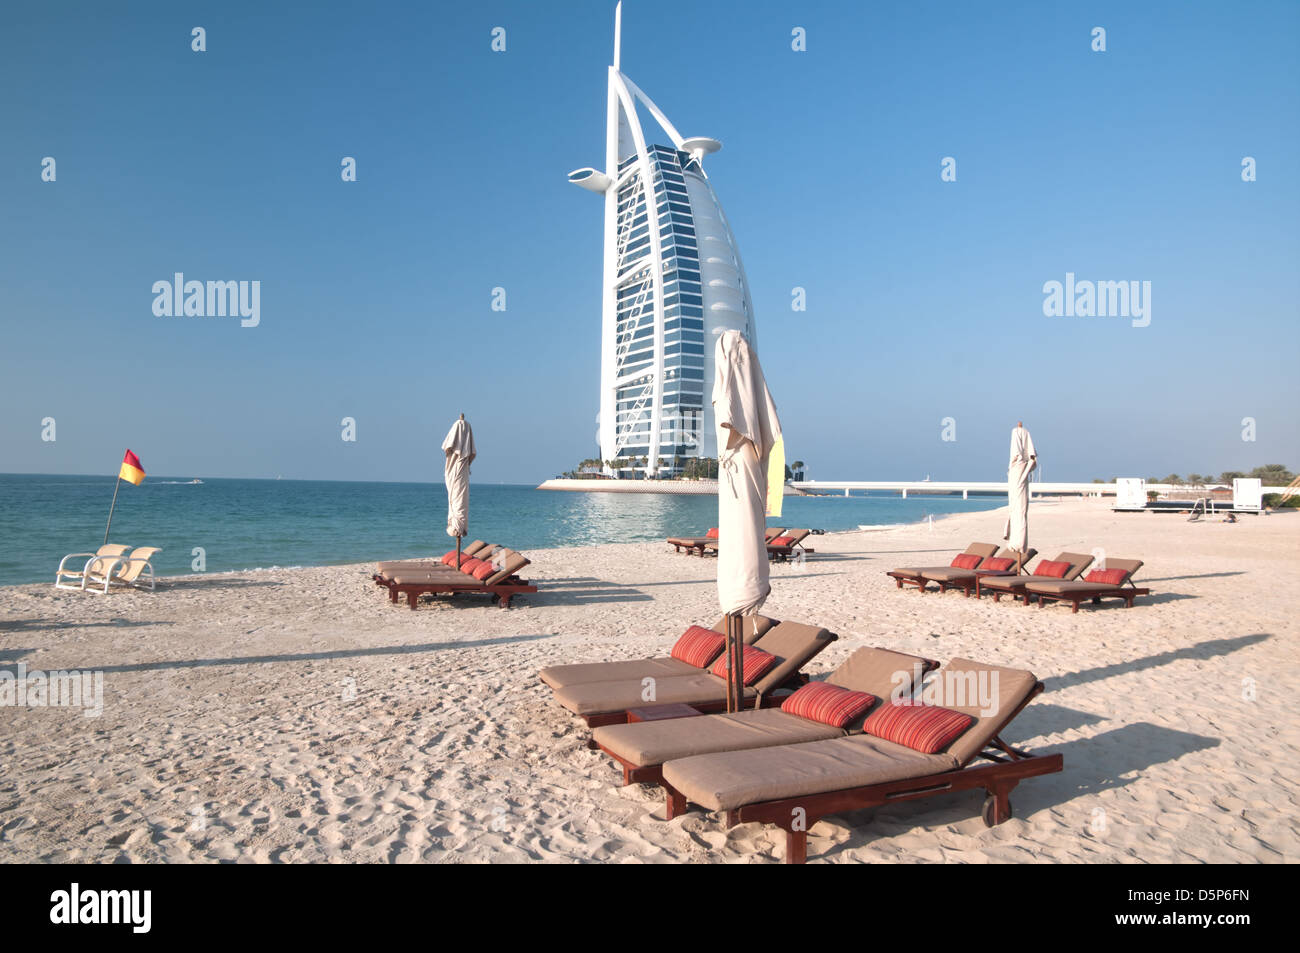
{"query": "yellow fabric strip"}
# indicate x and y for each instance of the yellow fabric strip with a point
(776, 478)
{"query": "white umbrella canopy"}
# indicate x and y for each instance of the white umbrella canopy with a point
(460, 452)
(1024, 460)
(747, 429)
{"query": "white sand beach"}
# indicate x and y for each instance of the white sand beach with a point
(297, 715)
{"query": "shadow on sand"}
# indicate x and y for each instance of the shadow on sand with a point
(414, 649)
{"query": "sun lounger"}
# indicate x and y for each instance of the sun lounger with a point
(782, 547)
(693, 544)
(794, 786)
(607, 702)
(1001, 564)
(642, 748)
(702, 544)
(502, 584)
(1014, 586)
(1091, 587)
(558, 676)
(71, 573)
(471, 549)
(132, 571)
(913, 576)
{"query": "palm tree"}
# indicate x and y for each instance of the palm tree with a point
(797, 467)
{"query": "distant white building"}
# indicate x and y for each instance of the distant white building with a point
(673, 279)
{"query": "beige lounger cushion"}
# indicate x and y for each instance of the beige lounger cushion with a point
(793, 643)
(654, 742)
(949, 574)
(1060, 586)
(659, 667)
(558, 676)
(1078, 563)
(1129, 566)
(469, 550)
(590, 698)
(444, 574)
(1013, 687)
(398, 565)
(733, 779)
(878, 672)
(512, 563)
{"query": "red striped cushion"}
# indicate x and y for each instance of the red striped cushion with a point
(713, 533)
(1111, 577)
(469, 564)
(483, 570)
(698, 646)
(754, 664)
(1055, 570)
(449, 558)
(997, 564)
(829, 704)
(965, 561)
(923, 728)
(781, 541)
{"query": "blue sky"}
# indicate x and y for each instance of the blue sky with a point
(924, 297)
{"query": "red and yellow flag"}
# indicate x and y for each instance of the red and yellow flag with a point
(131, 470)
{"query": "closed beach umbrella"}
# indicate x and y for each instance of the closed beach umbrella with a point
(747, 430)
(459, 448)
(1024, 459)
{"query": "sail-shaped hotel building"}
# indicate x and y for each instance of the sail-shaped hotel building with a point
(673, 279)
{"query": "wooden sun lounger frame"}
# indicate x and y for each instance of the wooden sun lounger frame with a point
(1010, 766)
(503, 591)
(654, 773)
(699, 545)
(782, 554)
(918, 580)
(692, 544)
(970, 584)
(1075, 598)
(1000, 586)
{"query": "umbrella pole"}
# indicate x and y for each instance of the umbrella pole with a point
(731, 661)
(737, 671)
(457, 552)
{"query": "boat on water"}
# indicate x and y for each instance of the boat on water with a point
(195, 480)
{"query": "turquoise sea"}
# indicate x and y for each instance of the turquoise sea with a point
(252, 524)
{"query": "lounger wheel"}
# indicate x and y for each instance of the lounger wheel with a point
(990, 812)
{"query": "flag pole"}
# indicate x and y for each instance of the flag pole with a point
(110, 508)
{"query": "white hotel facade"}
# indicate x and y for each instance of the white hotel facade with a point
(673, 280)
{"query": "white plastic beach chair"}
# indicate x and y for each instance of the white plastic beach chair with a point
(66, 577)
(131, 570)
